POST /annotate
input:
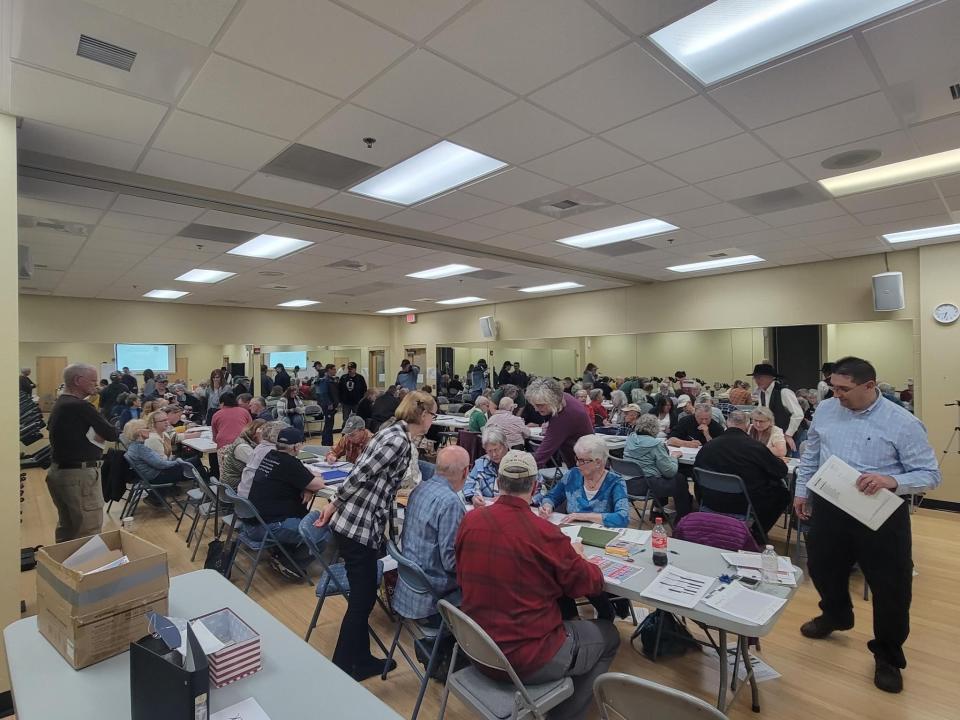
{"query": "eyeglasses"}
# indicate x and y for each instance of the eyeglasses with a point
(586, 461)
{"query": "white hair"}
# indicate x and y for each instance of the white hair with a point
(546, 391)
(72, 372)
(493, 435)
(592, 445)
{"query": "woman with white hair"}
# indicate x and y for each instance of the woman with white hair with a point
(659, 465)
(591, 492)
(618, 398)
(482, 480)
(568, 421)
(478, 415)
(764, 429)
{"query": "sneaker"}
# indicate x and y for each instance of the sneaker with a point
(820, 627)
(887, 677)
(283, 571)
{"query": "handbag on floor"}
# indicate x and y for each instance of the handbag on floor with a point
(220, 556)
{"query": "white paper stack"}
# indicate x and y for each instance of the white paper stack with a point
(750, 565)
(679, 587)
(754, 607)
(836, 482)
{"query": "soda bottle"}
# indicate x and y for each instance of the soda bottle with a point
(659, 542)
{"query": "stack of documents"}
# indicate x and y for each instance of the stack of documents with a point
(749, 565)
(94, 556)
(836, 482)
(754, 607)
(679, 587)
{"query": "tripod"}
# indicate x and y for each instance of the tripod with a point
(956, 433)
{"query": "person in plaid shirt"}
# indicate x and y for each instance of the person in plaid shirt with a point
(514, 567)
(359, 515)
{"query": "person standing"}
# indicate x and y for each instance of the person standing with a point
(352, 387)
(109, 394)
(281, 377)
(889, 447)
(782, 401)
(823, 387)
(128, 379)
(407, 377)
(73, 478)
(326, 393)
(26, 384)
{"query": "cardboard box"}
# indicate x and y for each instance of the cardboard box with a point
(89, 618)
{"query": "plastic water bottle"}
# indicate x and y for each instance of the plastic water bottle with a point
(769, 565)
(659, 542)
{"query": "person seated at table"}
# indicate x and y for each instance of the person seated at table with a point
(430, 523)
(290, 407)
(281, 490)
(365, 406)
(268, 441)
(482, 481)
(353, 439)
(618, 400)
(455, 386)
(666, 415)
(148, 464)
(131, 410)
(513, 568)
(630, 414)
(478, 415)
(661, 476)
(384, 407)
(716, 412)
(512, 425)
(569, 421)
(696, 430)
(762, 428)
(158, 440)
(740, 393)
(259, 411)
(591, 492)
(273, 399)
(734, 452)
(237, 454)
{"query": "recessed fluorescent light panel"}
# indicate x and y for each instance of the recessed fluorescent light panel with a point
(632, 231)
(461, 301)
(729, 36)
(430, 172)
(396, 310)
(898, 173)
(923, 233)
(443, 271)
(205, 276)
(298, 303)
(552, 287)
(269, 247)
(165, 294)
(714, 264)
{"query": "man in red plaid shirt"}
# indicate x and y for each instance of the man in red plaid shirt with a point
(513, 567)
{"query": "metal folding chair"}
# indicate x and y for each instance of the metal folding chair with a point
(633, 698)
(729, 485)
(630, 470)
(141, 488)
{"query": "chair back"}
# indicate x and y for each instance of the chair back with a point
(719, 531)
(242, 507)
(470, 441)
(625, 468)
(633, 698)
(410, 573)
(718, 482)
(474, 641)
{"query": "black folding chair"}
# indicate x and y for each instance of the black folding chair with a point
(732, 485)
(629, 470)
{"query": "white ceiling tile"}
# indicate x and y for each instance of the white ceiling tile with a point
(432, 94)
(807, 213)
(470, 231)
(642, 18)
(732, 227)
(348, 204)
(155, 208)
(720, 158)
(949, 186)
(414, 18)
(587, 160)
(751, 182)
(63, 193)
(809, 82)
(418, 220)
(512, 242)
(706, 215)
(891, 197)
(513, 219)
(604, 93)
(553, 249)
(199, 137)
(837, 125)
(343, 133)
(57, 211)
(938, 135)
(76, 145)
(515, 186)
(686, 125)
(817, 227)
(553, 230)
(124, 240)
(527, 44)
(518, 133)
(611, 216)
(893, 147)
(639, 182)
(194, 20)
(315, 43)
(190, 170)
(917, 43)
(293, 192)
(685, 198)
(141, 223)
(902, 212)
(301, 232)
(237, 93)
(235, 222)
(80, 106)
(459, 205)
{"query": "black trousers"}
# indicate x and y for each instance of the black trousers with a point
(835, 542)
(353, 645)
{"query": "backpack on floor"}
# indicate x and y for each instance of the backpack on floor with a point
(675, 639)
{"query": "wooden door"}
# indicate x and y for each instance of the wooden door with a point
(376, 369)
(49, 378)
(181, 373)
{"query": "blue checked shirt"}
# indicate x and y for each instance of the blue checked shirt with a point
(482, 479)
(430, 524)
(610, 501)
(883, 439)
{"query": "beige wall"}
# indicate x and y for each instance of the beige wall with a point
(888, 344)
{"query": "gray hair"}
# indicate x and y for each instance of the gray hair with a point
(24, 371)
(647, 425)
(271, 430)
(763, 412)
(885, 387)
(72, 372)
(493, 435)
(596, 394)
(546, 391)
(703, 407)
(506, 403)
(618, 398)
(738, 419)
(594, 446)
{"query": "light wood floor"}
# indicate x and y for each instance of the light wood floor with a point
(825, 679)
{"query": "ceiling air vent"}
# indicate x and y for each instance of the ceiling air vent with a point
(717, 255)
(350, 265)
(271, 273)
(106, 53)
(565, 204)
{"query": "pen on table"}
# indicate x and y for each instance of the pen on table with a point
(618, 557)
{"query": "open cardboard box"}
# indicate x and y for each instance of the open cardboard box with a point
(89, 618)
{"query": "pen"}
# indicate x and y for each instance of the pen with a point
(617, 557)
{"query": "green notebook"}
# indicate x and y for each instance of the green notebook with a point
(597, 537)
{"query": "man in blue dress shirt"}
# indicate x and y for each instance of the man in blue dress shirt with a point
(889, 447)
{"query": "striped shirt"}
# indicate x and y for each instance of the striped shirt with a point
(482, 479)
(884, 439)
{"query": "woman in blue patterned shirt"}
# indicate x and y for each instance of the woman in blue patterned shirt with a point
(482, 481)
(592, 493)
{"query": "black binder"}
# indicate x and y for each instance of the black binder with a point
(163, 689)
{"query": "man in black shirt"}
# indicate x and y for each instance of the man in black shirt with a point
(26, 384)
(73, 478)
(695, 430)
(129, 380)
(353, 387)
(281, 490)
(109, 394)
(736, 453)
(384, 407)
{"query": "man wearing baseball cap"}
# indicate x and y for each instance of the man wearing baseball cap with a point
(352, 386)
(631, 412)
(513, 566)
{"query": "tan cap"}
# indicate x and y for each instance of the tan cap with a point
(632, 407)
(518, 464)
(683, 401)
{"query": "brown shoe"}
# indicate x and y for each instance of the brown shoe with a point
(820, 627)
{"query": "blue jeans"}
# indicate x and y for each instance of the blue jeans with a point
(296, 420)
(286, 531)
(427, 469)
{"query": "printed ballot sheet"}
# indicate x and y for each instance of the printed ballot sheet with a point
(754, 607)
(836, 482)
(679, 587)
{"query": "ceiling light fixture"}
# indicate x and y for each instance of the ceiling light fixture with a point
(165, 294)
(205, 276)
(729, 36)
(430, 172)
(461, 300)
(927, 167)
(923, 233)
(298, 303)
(396, 310)
(631, 231)
(443, 271)
(551, 287)
(714, 264)
(269, 247)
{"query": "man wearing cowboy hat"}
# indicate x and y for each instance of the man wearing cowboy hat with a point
(781, 401)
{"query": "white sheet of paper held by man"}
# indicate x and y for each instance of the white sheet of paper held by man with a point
(836, 482)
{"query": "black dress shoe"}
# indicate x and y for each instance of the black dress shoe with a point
(373, 667)
(820, 627)
(887, 677)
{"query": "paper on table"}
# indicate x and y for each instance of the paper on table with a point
(836, 482)
(95, 439)
(754, 607)
(783, 578)
(248, 709)
(571, 531)
(639, 537)
(679, 587)
(556, 518)
(612, 569)
(754, 560)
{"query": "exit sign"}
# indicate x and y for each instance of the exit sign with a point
(411, 318)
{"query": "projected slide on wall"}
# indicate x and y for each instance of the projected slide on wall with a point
(289, 360)
(137, 357)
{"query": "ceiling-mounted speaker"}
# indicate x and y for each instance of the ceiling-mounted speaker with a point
(488, 326)
(24, 262)
(888, 292)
